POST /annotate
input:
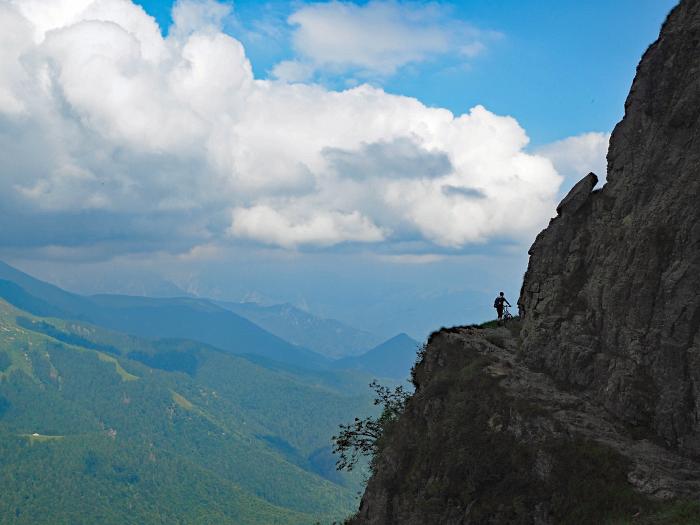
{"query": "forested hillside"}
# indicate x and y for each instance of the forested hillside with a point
(97, 426)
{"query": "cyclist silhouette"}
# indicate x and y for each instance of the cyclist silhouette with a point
(499, 303)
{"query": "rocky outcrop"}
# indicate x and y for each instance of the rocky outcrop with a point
(485, 439)
(589, 412)
(578, 195)
(611, 292)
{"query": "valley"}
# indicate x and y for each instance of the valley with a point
(130, 402)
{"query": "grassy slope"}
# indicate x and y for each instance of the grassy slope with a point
(202, 429)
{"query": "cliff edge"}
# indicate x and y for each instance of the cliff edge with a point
(588, 409)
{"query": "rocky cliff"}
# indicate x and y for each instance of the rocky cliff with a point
(588, 411)
(611, 292)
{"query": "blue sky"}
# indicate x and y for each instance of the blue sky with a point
(387, 163)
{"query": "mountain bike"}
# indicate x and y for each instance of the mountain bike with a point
(507, 316)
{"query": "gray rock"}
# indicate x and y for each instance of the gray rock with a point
(578, 195)
(611, 293)
(505, 443)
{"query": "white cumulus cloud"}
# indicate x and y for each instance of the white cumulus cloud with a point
(577, 156)
(285, 229)
(376, 38)
(116, 138)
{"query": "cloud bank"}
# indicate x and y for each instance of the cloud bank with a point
(115, 138)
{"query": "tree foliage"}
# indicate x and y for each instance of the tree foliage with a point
(361, 438)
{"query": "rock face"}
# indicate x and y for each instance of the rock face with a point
(590, 410)
(611, 293)
(485, 439)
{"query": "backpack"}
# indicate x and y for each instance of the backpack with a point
(496, 302)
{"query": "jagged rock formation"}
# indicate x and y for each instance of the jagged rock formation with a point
(590, 411)
(611, 292)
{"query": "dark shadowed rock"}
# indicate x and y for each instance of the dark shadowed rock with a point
(485, 439)
(578, 195)
(611, 292)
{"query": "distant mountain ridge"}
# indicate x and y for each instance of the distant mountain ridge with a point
(327, 337)
(187, 318)
(61, 300)
(391, 359)
(219, 324)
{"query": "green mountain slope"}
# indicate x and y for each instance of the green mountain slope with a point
(187, 318)
(92, 479)
(101, 427)
(199, 320)
(59, 299)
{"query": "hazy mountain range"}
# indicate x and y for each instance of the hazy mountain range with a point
(174, 408)
(325, 336)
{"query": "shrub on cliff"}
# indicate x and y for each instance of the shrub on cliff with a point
(362, 437)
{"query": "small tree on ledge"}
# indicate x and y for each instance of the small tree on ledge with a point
(361, 437)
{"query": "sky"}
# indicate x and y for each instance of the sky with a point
(386, 163)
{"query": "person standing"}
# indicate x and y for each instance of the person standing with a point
(498, 305)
